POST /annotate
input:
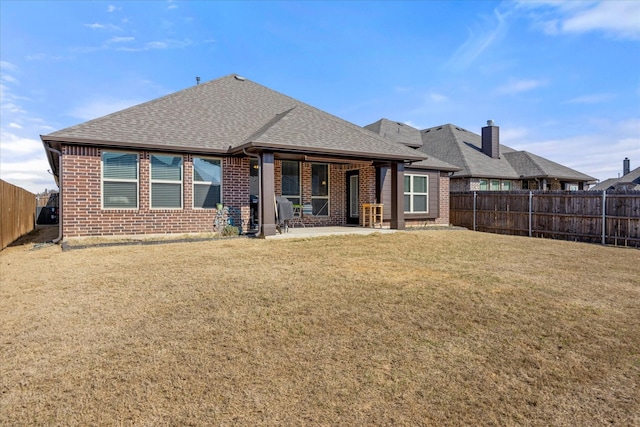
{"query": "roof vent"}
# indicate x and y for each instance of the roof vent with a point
(240, 78)
(489, 122)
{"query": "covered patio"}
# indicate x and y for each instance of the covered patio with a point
(307, 232)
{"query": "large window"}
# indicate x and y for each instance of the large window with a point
(119, 180)
(291, 181)
(166, 182)
(495, 185)
(416, 193)
(320, 189)
(207, 183)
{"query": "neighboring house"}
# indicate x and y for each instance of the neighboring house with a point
(630, 180)
(483, 163)
(165, 165)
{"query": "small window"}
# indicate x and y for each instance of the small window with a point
(484, 185)
(166, 182)
(207, 183)
(495, 185)
(416, 193)
(320, 189)
(506, 185)
(119, 180)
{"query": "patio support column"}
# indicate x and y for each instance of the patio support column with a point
(397, 196)
(267, 178)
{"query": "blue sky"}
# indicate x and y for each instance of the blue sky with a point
(561, 78)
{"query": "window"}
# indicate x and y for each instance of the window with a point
(119, 180)
(416, 193)
(166, 182)
(495, 185)
(291, 181)
(484, 185)
(320, 189)
(207, 183)
(506, 185)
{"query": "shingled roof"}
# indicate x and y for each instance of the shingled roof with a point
(464, 149)
(223, 116)
(630, 181)
(397, 132)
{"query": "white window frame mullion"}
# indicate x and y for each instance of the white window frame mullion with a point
(103, 180)
(164, 181)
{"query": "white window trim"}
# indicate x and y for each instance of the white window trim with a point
(102, 180)
(328, 196)
(209, 183)
(163, 181)
(411, 193)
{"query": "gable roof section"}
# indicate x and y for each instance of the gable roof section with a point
(633, 177)
(397, 132)
(463, 149)
(222, 116)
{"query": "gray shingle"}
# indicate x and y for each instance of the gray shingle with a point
(229, 112)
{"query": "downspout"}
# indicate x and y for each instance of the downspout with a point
(59, 153)
(257, 157)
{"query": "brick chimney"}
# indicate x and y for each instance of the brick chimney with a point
(491, 140)
(626, 166)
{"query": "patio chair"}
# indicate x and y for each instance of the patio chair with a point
(307, 209)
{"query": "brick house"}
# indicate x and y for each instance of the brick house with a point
(483, 164)
(164, 166)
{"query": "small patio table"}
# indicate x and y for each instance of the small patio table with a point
(372, 214)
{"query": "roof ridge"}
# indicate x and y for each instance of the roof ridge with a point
(264, 128)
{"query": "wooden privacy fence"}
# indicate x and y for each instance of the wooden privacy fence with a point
(587, 216)
(17, 213)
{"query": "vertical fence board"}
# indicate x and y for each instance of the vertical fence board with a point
(576, 215)
(17, 213)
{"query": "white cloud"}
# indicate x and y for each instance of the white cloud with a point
(98, 26)
(4, 65)
(520, 85)
(15, 125)
(436, 97)
(598, 153)
(617, 19)
(121, 39)
(595, 98)
(23, 163)
(112, 8)
(478, 41)
(158, 45)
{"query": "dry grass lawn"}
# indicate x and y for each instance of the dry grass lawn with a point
(415, 328)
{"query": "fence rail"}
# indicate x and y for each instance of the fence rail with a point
(597, 217)
(17, 213)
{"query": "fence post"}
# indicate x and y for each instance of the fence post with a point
(475, 197)
(604, 216)
(530, 209)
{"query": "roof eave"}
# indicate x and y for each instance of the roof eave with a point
(59, 140)
(335, 152)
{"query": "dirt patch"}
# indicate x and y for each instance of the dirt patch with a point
(41, 234)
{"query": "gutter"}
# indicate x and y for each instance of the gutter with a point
(59, 153)
(257, 157)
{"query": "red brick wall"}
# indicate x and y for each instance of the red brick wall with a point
(84, 216)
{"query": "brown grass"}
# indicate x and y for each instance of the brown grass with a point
(416, 328)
